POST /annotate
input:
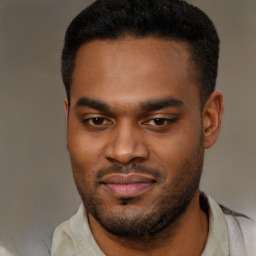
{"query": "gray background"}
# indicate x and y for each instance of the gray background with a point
(36, 185)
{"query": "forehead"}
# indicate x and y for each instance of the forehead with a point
(133, 69)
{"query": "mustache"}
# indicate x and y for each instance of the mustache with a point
(134, 168)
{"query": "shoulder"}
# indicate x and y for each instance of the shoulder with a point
(4, 251)
(73, 236)
(65, 237)
(39, 246)
(239, 223)
(240, 230)
(62, 242)
(242, 233)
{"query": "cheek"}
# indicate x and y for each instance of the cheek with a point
(81, 143)
(83, 167)
(85, 152)
(176, 148)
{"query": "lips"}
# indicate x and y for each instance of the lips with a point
(127, 185)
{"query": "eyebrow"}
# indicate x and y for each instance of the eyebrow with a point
(157, 104)
(92, 103)
(149, 105)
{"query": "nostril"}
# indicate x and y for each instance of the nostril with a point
(125, 161)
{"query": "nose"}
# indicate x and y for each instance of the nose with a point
(126, 145)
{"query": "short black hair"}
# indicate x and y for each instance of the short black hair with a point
(168, 19)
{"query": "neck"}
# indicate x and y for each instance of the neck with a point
(188, 233)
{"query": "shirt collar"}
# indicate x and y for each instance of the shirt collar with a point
(217, 241)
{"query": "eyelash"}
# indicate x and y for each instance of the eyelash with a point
(103, 123)
(100, 119)
(162, 121)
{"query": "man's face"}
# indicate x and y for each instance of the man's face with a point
(135, 133)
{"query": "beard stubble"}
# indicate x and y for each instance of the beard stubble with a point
(131, 223)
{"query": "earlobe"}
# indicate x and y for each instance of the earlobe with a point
(212, 115)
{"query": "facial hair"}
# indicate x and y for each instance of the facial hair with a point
(172, 203)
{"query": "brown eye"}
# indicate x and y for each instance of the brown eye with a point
(97, 120)
(159, 121)
(96, 123)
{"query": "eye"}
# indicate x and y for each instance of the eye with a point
(97, 120)
(160, 121)
(96, 123)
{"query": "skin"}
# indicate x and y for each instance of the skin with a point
(120, 79)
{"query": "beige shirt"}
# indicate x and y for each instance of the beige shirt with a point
(4, 251)
(74, 236)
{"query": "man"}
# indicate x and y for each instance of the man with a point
(141, 108)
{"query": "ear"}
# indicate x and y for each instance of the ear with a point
(212, 114)
(66, 107)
